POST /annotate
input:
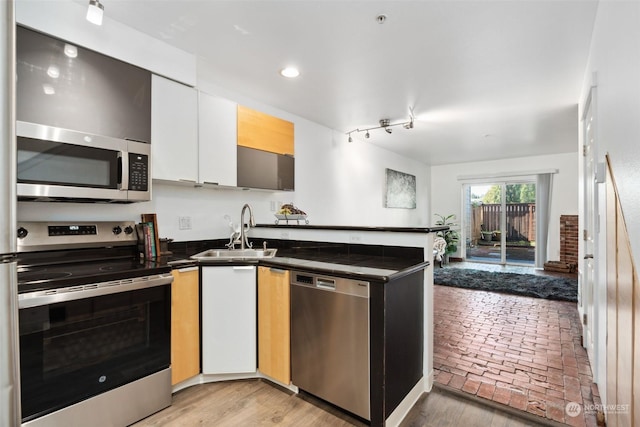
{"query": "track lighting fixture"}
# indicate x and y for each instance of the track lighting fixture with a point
(95, 12)
(386, 125)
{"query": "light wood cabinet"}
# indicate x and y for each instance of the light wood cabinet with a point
(174, 131)
(185, 325)
(274, 350)
(264, 132)
(217, 140)
(228, 320)
(265, 151)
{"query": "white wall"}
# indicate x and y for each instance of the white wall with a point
(613, 69)
(446, 189)
(615, 60)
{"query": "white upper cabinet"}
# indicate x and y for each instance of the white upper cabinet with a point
(174, 131)
(218, 140)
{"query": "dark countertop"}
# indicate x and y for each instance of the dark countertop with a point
(328, 268)
(373, 267)
(344, 270)
(357, 228)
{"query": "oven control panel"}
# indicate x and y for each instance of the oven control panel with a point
(39, 236)
(72, 230)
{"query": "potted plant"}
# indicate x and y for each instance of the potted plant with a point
(487, 236)
(451, 236)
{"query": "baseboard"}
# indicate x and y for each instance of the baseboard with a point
(405, 406)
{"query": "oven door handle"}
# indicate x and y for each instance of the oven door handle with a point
(71, 293)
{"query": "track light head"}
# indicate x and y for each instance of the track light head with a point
(386, 125)
(95, 12)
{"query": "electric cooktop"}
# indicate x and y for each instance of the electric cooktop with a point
(55, 255)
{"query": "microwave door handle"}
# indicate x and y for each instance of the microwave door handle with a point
(123, 171)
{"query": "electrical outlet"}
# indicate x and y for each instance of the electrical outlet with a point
(273, 206)
(184, 222)
(284, 235)
(355, 238)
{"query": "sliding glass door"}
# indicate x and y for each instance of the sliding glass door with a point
(500, 222)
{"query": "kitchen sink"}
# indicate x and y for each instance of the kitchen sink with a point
(222, 254)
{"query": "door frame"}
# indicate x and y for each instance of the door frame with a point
(592, 265)
(502, 181)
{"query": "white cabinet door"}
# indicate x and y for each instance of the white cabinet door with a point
(218, 134)
(228, 320)
(174, 131)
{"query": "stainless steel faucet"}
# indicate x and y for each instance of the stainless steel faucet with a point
(244, 238)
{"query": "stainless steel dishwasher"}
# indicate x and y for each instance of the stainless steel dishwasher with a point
(330, 340)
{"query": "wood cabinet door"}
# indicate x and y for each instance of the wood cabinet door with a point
(264, 132)
(274, 349)
(185, 325)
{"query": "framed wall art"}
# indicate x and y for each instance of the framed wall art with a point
(400, 190)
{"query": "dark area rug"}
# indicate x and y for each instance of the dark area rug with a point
(528, 285)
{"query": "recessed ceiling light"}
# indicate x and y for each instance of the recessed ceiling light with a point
(290, 72)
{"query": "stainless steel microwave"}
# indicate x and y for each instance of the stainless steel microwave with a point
(66, 165)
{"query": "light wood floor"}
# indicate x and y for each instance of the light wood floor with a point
(258, 403)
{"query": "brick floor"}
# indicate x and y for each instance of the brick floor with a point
(518, 351)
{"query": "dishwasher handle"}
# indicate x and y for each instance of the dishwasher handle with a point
(340, 285)
(327, 284)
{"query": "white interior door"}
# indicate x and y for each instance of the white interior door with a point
(590, 233)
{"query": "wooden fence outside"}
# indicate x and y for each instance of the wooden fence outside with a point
(521, 220)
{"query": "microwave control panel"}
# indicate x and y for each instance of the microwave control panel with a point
(138, 172)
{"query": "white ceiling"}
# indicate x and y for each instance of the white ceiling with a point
(487, 79)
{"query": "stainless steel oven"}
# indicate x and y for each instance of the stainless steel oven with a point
(61, 164)
(94, 326)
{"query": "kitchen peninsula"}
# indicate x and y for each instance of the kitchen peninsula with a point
(395, 262)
